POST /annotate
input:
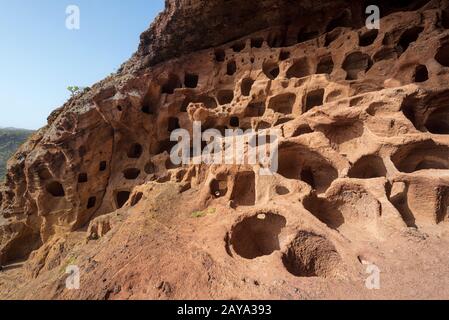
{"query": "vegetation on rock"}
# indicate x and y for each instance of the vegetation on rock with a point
(10, 140)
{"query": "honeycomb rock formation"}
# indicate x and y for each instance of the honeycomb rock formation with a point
(363, 173)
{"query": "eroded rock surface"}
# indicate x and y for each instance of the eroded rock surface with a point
(363, 161)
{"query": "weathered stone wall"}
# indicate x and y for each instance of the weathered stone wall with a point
(352, 103)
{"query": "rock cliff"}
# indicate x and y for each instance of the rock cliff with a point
(363, 173)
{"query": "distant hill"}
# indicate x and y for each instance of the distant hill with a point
(10, 140)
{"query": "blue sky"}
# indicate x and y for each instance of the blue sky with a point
(40, 57)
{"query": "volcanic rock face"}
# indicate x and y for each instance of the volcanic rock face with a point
(363, 161)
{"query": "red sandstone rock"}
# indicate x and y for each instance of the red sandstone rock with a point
(363, 161)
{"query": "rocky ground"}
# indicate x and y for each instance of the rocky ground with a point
(363, 177)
